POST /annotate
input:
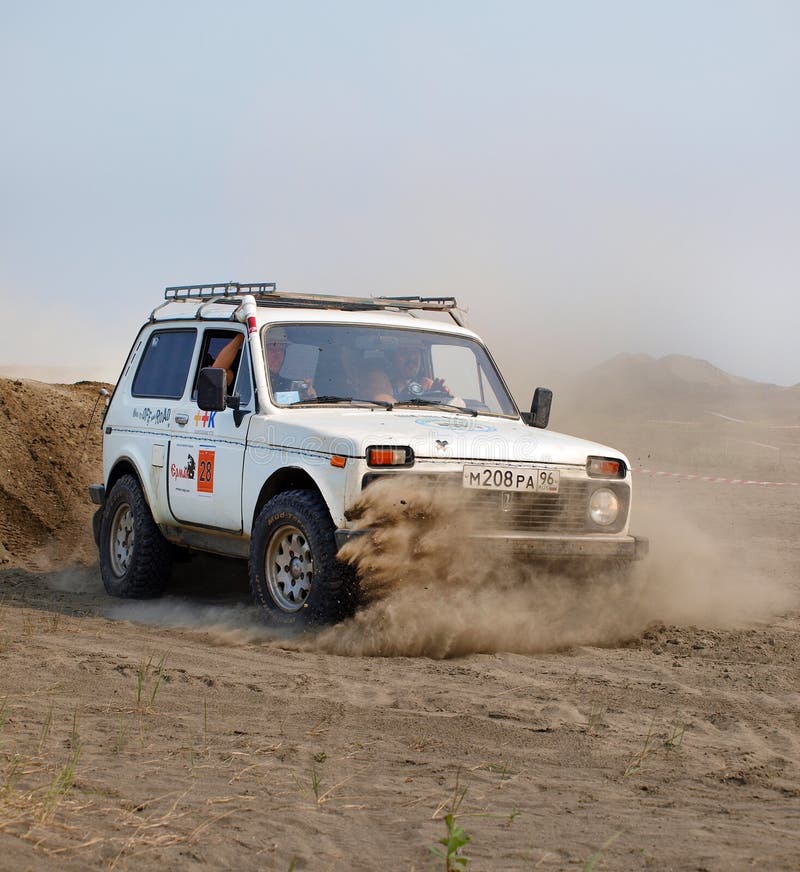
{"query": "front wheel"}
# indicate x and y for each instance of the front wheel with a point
(134, 557)
(294, 573)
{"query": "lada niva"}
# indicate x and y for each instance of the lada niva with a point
(248, 421)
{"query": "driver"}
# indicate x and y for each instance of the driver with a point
(409, 380)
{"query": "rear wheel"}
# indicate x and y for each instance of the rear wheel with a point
(134, 556)
(294, 573)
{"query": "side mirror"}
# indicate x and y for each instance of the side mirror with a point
(540, 408)
(212, 389)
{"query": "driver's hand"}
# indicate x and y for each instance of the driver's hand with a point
(309, 392)
(438, 385)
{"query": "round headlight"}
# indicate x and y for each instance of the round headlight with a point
(603, 507)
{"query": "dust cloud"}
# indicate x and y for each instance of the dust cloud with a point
(224, 625)
(208, 596)
(75, 579)
(431, 589)
(691, 578)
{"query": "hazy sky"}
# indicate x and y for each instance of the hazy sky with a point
(587, 178)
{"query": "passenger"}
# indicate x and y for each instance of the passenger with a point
(276, 343)
(227, 358)
(377, 386)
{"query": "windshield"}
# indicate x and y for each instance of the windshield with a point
(317, 364)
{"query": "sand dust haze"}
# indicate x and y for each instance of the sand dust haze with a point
(431, 590)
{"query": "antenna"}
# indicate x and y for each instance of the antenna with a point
(100, 394)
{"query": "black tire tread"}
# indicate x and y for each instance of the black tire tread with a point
(151, 564)
(331, 597)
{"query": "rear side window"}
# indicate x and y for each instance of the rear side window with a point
(165, 365)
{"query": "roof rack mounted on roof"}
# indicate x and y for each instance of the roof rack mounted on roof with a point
(219, 289)
(266, 294)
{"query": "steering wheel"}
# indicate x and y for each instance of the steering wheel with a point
(437, 396)
(412, 391)
(415, 391)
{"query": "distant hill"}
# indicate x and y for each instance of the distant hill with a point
(682, 413)
(674, 370)
(678, 387)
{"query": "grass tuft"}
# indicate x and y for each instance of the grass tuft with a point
(4, 713)
(596, 719)
(589, 865)
(61, 784)
(146, 670)
(644, 752)
(48, 722)
(674, 741)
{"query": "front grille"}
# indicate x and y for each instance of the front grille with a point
(564, 512)
(514, 511)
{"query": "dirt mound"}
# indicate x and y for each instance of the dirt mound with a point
(48, 455)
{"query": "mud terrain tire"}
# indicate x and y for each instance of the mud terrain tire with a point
(134, 556)
(294, 573)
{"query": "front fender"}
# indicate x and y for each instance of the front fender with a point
(320, 476)
(151, 474)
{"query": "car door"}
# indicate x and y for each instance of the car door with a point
(206, 450)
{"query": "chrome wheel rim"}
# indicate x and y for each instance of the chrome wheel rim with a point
(289, 569)
(122, 540)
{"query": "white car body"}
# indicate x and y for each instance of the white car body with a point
(250, 424)
(153, 436)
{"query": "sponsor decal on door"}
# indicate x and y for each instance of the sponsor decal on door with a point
(191, 470)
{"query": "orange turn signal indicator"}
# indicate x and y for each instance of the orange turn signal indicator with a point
(389, 455)
(605, 467)
(338, 461)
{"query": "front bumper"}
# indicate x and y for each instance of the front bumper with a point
(550, 545)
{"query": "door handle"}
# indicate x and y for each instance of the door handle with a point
(182, 419)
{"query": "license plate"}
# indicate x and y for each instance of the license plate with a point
(509, 478)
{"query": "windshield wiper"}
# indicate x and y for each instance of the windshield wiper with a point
(420, 402)
(330, 399)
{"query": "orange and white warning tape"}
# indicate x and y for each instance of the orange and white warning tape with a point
(714, 479)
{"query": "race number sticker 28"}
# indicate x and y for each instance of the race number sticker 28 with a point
(205, 471)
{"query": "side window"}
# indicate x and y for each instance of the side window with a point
(165, 365)
(214, 341)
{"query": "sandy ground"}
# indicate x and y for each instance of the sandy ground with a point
(567, 726)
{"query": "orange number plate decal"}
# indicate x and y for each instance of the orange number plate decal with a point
(205, 472)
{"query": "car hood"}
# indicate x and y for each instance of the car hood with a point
(434, 435)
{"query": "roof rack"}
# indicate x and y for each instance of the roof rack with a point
(266, 294)
(180, 293)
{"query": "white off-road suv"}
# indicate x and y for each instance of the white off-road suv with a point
(247, 422)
